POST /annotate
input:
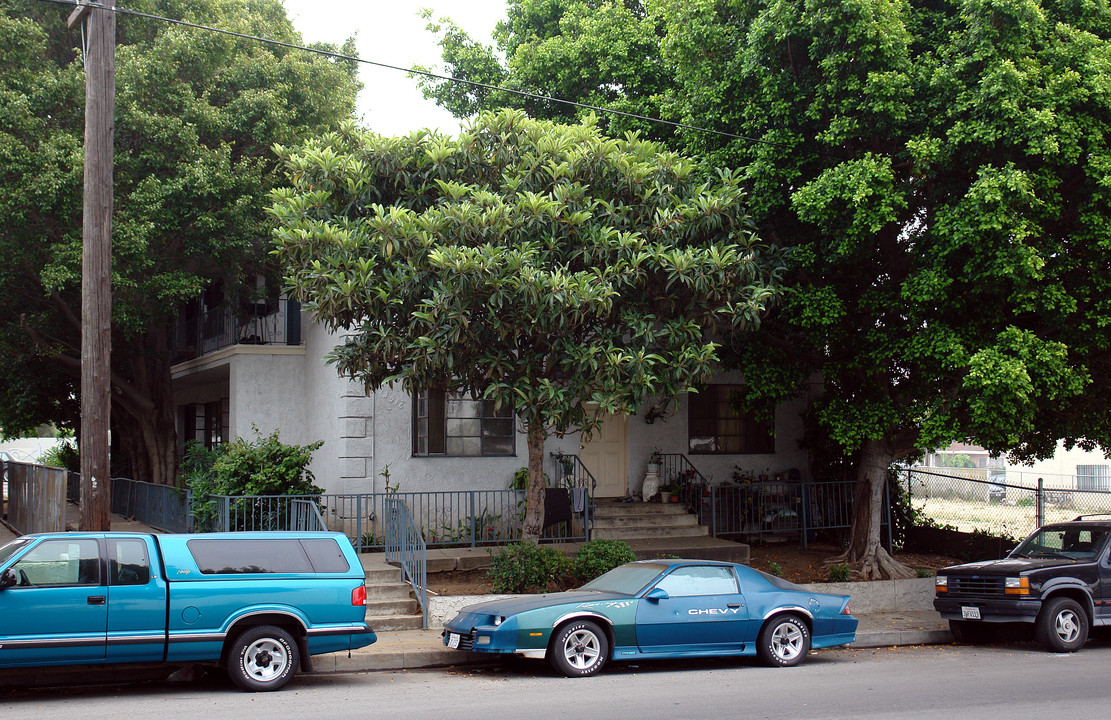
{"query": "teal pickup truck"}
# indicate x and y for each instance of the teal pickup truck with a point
(258, 604)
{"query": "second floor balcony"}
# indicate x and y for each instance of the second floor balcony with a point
(201, 330)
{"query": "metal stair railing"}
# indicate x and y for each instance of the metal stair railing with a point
(676, 468)
(405, 543)
(572, 473)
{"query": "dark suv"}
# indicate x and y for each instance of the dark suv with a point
(1059, 579)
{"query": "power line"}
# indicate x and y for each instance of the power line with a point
(425, 73)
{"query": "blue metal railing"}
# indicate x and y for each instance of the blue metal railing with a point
(163, 507)
(405, 545)
(305, 516)
(451, 518)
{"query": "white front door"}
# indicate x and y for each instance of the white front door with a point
(606, 456)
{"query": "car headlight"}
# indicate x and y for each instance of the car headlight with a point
(1016, 586)
(941, 583)
(498, 620)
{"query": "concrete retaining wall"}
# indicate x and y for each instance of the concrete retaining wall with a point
(867, 597)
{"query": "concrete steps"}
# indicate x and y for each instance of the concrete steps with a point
(640, 521)
(390, 604)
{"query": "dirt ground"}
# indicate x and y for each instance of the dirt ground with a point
(798, 564)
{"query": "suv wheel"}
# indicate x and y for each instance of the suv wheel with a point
(1062, 625)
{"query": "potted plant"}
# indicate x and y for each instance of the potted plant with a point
(673, 490)
(655, 461)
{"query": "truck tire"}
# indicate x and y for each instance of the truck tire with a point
(262, 658)
(1062, 625)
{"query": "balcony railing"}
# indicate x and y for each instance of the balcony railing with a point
(265, 322)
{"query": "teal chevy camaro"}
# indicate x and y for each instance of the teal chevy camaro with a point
(659, 609)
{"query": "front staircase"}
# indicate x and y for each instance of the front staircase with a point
(390, 604)
(640, 520)
(657, 530)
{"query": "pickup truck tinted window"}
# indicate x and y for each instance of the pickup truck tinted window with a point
(326, 555)
(219, 557)
(128, 563)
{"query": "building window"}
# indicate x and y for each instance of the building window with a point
(204, 423)
(716, 426)
(1093, 477)
(456, 424)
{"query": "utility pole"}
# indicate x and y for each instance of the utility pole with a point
(96, 262)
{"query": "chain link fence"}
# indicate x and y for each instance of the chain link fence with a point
(997, 501)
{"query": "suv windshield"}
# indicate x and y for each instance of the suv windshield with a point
(1068, 541)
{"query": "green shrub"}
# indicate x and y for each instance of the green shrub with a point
(63, 455)
(526, 567)
(265, 466)
(839, 572)
(775, 568)
(600, 556)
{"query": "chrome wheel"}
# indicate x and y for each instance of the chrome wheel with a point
(581, 648)
(578, 649)
(1067, 626)
(265, 659)
(787, 642)
(784, 641)
(262, 658)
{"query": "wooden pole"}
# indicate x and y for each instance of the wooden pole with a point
(96, 264)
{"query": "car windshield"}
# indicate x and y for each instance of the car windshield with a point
(12, 548)
(1077, 543)
(626, 579)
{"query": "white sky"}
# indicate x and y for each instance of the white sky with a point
(392, 32)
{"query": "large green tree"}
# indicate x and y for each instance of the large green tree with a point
(196, 116)
(605, 53)
(544, 267)
(941, 171)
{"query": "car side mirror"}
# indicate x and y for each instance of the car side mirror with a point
(7, 579)
(656, 594)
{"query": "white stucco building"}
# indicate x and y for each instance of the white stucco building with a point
(269, 372)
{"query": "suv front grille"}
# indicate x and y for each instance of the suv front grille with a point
(976, 585)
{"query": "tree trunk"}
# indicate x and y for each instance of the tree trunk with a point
(143, 412)
(534, 495)
(865, 556)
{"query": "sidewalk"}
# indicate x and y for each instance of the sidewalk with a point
(407, 649)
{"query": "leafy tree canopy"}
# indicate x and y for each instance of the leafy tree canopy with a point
(604, 53)
(941, 171)
(545, 267)
(196, 116)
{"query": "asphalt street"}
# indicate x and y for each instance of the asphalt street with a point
(908, 683)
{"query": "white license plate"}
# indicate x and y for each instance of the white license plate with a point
(453, 640)
(970, 613)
